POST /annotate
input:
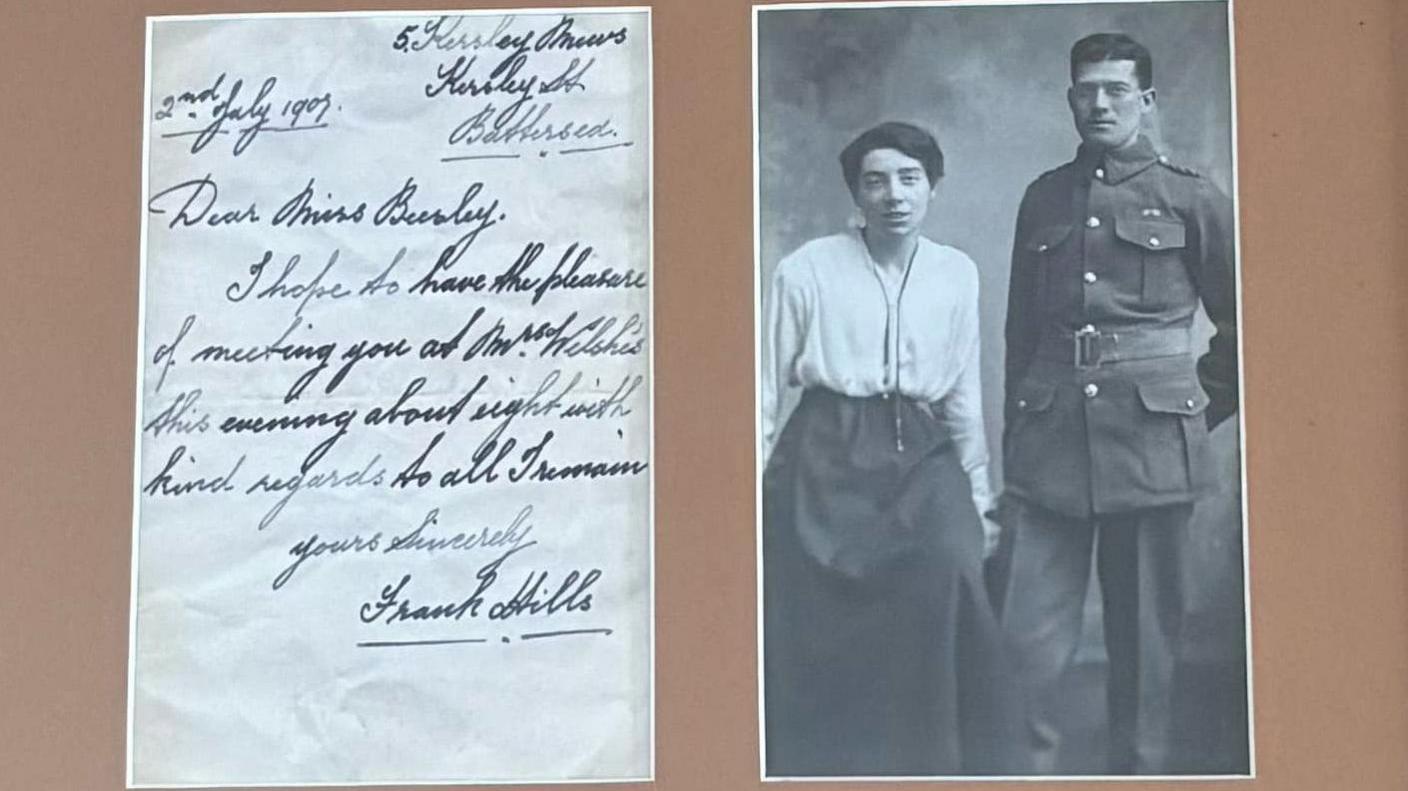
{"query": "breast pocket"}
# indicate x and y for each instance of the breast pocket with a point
(1159, 246)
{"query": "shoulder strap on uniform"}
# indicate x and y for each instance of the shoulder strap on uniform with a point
(1177, 168)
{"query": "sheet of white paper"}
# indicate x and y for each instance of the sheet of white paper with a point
(394, 436)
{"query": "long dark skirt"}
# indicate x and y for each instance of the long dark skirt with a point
(882, 654)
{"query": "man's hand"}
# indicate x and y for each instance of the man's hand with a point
(992, 532)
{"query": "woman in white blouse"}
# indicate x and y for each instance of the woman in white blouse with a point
(881, 649)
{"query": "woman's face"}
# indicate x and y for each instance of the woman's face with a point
(893, 192)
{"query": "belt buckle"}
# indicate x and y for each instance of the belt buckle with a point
(1087, 347)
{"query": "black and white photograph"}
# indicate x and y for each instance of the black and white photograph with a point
(1001, 502)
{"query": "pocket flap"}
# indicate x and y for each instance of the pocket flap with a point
(1035, 396)
(1151, 234)
(1047, 237)
(1174, 396)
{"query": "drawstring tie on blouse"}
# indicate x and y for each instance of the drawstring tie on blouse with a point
(898, 306)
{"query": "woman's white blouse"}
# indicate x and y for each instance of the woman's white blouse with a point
(827, 326)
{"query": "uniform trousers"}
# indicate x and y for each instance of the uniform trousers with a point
(1138, 556)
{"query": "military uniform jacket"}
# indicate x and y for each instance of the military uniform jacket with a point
(1106, 409)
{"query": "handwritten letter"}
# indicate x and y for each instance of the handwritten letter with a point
(394, 449)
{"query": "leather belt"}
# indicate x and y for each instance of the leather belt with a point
(1089, 347)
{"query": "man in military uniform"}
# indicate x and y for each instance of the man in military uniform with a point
(1107, 411)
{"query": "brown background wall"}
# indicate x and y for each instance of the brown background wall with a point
(1325, 323)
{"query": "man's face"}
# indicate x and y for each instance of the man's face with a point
(893, 192)
(1107, 102)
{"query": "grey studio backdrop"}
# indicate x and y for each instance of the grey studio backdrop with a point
(989, 82)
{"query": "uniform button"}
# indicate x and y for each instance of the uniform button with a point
(1092, 390)
(884, 396)
(1163, 158)
(1088, 328)
(1021, 403)
(1093, 222)
(1090, 277)
(1041, 248)
(1189, 403)
(1099, 173)
(1154, 241)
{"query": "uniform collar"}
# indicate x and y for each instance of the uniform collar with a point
(1117, 164)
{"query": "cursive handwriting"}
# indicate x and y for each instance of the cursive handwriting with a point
(167, 483)
(180, 416)
(198, 206)
(516, 279)
(443, 33)
(281, 288)
(308, 477)
(539, 594)
(418, 539)
(239, 112)
(525, 122)
(346, 327)
(494, 459)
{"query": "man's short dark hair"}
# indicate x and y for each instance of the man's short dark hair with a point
(907, 139)
(1114, 46)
